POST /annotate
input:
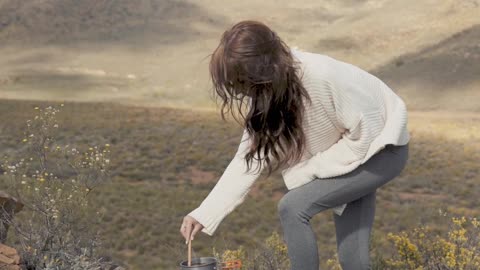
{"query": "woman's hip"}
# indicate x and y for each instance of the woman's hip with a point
(381, 168)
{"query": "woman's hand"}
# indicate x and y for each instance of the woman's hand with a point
(190, 227)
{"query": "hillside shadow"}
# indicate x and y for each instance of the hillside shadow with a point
(56, 81)
(38, 57)
(442, 67)
(141, 23)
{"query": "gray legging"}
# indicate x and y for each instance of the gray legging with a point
(353, 227)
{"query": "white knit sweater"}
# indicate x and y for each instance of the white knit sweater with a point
(353, 116)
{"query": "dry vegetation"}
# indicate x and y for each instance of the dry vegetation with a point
(151, 190)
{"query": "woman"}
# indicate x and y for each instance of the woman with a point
(336, 132)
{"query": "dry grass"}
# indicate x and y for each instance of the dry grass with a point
(159, 155)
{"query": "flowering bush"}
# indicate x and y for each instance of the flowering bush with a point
(272, 255)
(56, 229)
(422, 248)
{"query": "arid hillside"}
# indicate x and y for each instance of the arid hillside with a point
(154, 52)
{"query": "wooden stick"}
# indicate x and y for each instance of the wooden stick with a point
(189, 252)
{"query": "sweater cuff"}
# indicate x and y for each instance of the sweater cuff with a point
(209, 224)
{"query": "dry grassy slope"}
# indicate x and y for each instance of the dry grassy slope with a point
(153, 52)
(153, 150)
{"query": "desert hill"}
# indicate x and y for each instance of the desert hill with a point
(155, 53)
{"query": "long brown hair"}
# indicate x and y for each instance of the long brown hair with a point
(252, 63)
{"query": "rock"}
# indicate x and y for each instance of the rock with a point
(9, 258)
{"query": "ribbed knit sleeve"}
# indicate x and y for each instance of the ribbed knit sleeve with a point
(359, 118)
(230, 190)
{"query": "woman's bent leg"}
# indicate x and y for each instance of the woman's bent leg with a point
(353, 230)
(297, 233)
(299, 205)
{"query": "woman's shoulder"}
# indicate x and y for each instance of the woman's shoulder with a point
(324, 69)
(314, 66)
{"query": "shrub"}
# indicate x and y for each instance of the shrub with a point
(422, 248)
(57, 228)
(271, 255)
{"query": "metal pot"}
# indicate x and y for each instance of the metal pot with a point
(202, 263)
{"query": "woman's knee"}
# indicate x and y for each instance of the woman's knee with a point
(288, 206)
(285, 206)
(291, 207)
